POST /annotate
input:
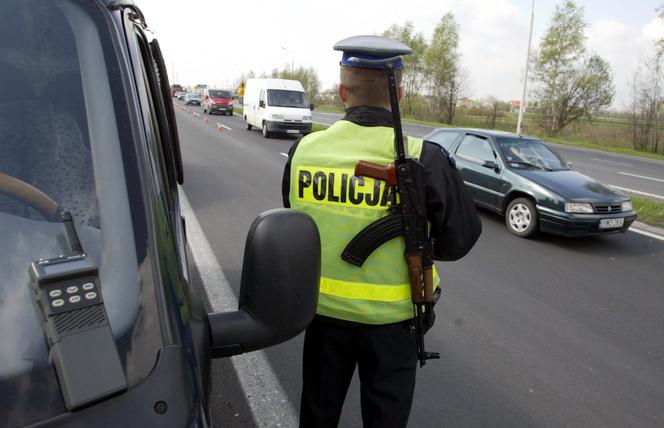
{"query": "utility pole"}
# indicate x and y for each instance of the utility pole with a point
(522, 106)
(292, 65)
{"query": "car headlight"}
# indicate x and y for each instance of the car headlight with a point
(212, 102)
(627, 206)
(306, 117)
(578, 207)
(277, 116)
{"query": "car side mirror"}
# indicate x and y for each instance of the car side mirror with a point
(279, 288)
(311, 107)
(261, 103)
(491, 165)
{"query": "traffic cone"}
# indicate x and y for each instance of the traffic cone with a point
(220, 127)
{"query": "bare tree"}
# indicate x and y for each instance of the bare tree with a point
(647, 99)
(492, 106)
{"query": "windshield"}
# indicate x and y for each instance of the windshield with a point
(220, 94)
(193, 96)
(530, 154)
(61, 118)
(283, 98)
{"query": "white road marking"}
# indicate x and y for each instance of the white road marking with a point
(226, 127)
(638, 192)
(283, 154)
(641, 176)
(646, 233)
(267, 399)
(612, 161)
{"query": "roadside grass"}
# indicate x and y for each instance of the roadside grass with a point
(318, 127)
(238, 110)
(650, 211)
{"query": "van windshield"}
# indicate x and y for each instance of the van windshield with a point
(284, 98)
(220, 94)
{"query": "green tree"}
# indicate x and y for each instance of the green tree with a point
(413, 74)
(442, 66)
(569, 83)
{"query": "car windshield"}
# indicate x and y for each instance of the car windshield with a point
(193, 96)
(528, 153)
(284, 98)
(61, 118)
(220, 94)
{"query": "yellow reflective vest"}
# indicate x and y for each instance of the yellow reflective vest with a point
(323, 185)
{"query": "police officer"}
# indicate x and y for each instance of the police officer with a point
(364, 314)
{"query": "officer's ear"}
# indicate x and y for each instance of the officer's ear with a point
(400, 92)
(342, 92)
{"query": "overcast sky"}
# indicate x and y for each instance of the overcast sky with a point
(214, 42)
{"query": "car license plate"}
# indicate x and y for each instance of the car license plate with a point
(610, 223)
(292, 131)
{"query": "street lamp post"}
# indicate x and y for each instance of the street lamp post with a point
(522, 107)
(292, 66)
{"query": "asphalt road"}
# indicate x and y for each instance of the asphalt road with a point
(545, 332)
(628, 173)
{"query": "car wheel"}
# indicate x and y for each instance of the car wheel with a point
(266, 133)
(521, 217)
(247, 126)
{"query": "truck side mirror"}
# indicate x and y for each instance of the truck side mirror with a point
(261, 103)
(311, 107)
(279, 289)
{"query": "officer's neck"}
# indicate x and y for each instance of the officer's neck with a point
(384, 107)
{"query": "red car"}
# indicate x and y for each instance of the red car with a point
(217, 100)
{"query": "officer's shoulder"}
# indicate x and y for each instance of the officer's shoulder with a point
(434, 152)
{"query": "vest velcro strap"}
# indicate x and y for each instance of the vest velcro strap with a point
(361, 291)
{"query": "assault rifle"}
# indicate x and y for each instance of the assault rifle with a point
(407, 218)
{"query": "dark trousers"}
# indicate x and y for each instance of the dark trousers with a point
(386, 358)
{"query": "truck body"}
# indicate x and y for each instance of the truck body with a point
(276, 106)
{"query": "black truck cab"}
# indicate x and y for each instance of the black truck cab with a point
(99, 324)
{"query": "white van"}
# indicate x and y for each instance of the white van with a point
(276, 106)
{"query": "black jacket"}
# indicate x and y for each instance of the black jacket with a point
(455, 225)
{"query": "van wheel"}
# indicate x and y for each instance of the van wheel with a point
(247, 126)
(521, 218)
(266, 133)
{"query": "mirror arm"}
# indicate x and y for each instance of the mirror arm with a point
(229, 331)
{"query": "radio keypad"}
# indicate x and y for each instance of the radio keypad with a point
(66, 295)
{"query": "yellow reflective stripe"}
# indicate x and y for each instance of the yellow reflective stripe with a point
(361, 291)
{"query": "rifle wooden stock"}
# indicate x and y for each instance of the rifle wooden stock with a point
(386, 173)
(414, 263)
(420, 278)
